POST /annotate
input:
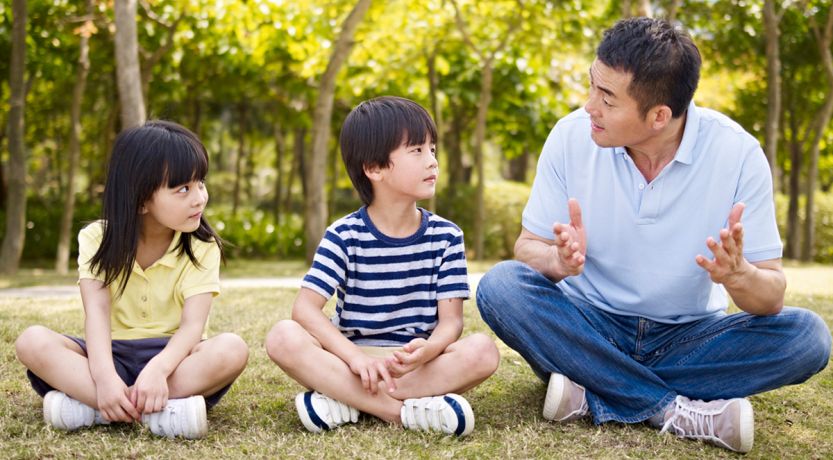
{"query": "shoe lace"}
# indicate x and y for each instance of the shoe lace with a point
(691, 422)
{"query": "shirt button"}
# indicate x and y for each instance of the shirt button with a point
(144, 298)
(641, 186)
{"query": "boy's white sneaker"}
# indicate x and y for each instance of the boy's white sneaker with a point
(64, 413)
(184, 417)
(565, 400)
(728, 423)
(449, 413)
(319, 412)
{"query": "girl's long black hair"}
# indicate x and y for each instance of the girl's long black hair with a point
(145, 158)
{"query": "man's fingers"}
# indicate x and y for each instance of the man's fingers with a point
(575, 212)
(735, 214)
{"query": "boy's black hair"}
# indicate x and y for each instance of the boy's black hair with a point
(145, 158)
(377, 127)
(662, 59)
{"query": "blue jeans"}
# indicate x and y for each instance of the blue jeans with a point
(632, 367)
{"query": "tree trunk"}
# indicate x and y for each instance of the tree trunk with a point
(479, 139)
(519, 165)
(241, 154)
(820, 123)
(626, 9)
(15, 236)
(128, 74)
(433, 85)
(299, 150)
(773, 114)
(793, 225)
(454, 151)
(65, 232)
(280, 153)
(315, 209)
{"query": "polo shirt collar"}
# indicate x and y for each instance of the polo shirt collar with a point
(685, 152)
(170, 257)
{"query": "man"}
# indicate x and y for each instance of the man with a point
(642, 203)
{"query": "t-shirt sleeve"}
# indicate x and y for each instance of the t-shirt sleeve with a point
(548, 198)
(206, 277)
(761, 240)
(452, 281)
(89, 239)
(329, 266)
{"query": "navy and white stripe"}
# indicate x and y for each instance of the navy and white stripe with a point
(388, 288)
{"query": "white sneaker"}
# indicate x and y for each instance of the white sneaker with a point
(318, 412)
(448, 413)
(565, 400)
(183, 417)
(728, 423)
(64, 413)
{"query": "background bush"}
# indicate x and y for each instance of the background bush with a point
(252, 233)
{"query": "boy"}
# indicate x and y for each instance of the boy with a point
(392, 348)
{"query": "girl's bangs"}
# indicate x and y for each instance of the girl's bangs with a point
(185, 163)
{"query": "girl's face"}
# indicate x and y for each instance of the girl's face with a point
(178, 208)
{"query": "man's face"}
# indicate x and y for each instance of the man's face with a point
(614, 115)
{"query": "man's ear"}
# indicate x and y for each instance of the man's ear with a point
(374, 173)
(660, 116)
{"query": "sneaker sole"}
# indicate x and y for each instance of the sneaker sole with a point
(467, 417)
(52, 410)
(200, 418)
(303, 413)
(747, 426)
(555, 391)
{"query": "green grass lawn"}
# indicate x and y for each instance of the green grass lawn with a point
(257, 418)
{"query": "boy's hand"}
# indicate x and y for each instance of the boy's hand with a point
(113, 400)
(370, 370)
(150, 392)
(413, 354)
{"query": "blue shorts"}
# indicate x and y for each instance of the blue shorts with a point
(129, 358)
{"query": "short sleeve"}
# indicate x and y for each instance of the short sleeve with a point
(329, 266)
(761, 239)
(203, 278)
(89, 240)
(452, 281)
(548, 198)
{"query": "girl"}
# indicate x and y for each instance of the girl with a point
(148, 272)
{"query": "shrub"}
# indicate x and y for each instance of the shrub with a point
(253, 233)
(504, 202)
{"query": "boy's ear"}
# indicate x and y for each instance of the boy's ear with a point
(374, 173)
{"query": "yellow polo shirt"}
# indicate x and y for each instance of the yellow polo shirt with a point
(151, 304)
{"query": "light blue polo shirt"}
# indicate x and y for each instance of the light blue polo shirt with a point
(642, 237)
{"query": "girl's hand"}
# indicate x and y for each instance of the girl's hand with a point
(113, 400)
(413, 354)
(150, 392)
(370, 370)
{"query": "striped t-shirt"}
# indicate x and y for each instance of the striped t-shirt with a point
(388, 288)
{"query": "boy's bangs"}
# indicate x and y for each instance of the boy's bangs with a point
(185, 163)
(417, 129)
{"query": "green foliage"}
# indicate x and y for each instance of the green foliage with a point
(253, 233)
(504, 202)
(42, 229)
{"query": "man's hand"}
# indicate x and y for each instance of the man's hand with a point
(571, 242)
(371, 370)
(728, 264)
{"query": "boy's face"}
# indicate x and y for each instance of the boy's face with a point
(412, 173)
